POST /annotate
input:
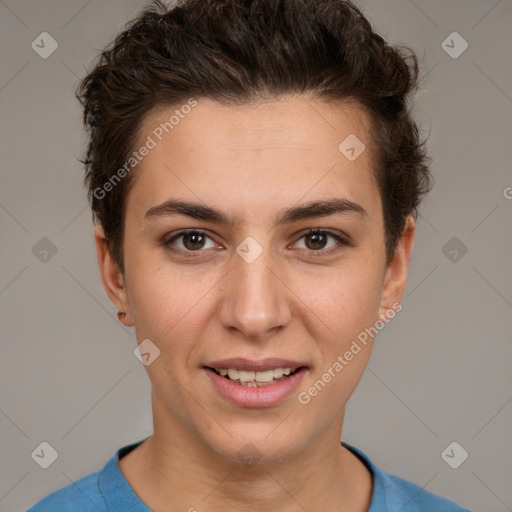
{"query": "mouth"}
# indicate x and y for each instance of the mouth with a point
(250, 383)
(256, 378)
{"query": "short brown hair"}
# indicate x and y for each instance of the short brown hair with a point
(238, 51)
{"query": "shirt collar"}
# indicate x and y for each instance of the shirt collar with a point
(117, 492)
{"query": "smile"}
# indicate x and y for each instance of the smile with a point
(255, 379)
(249, 383)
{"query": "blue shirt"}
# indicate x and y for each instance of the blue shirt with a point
(108, 491)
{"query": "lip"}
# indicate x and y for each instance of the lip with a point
(249, 365)
(264, 396)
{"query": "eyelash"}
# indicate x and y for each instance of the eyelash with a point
(342, 242)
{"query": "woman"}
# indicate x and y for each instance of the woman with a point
(255, 175)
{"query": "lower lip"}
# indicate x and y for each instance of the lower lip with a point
(263, 396)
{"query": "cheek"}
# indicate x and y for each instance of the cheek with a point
(347, 309)
(167, 303)
(344, 300)
(170, 301)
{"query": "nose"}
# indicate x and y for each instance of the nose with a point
(255, 298)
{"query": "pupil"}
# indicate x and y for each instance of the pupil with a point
(316, 236)
(191, 236)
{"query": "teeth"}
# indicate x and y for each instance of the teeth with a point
(266, 376)
(279, 372)
(233, 374)
(251, 378)
(245, 376)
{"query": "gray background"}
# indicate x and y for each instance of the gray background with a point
(440, 372)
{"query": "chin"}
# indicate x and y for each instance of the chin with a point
(264, 445)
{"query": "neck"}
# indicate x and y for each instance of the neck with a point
(174, 467)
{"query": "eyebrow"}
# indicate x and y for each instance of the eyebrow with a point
(314, 209)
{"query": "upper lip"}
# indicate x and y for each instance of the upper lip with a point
(250, 365)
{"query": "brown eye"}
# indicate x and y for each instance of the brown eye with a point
(192, 241)
(316, 240)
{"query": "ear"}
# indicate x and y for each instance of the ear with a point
(111, 276)
(395, 277)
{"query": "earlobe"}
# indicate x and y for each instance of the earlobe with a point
(395, 278)
(111, 276)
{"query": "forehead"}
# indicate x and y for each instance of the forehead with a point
(262, 155)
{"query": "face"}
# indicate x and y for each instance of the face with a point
(232, 278)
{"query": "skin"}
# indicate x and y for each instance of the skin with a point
(294, 301)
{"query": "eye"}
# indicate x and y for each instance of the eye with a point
(316, 240)
(193, 241)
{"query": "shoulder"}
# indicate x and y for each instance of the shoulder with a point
(83, 494)
(102, 491)
(392, 493)
(400, 494)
